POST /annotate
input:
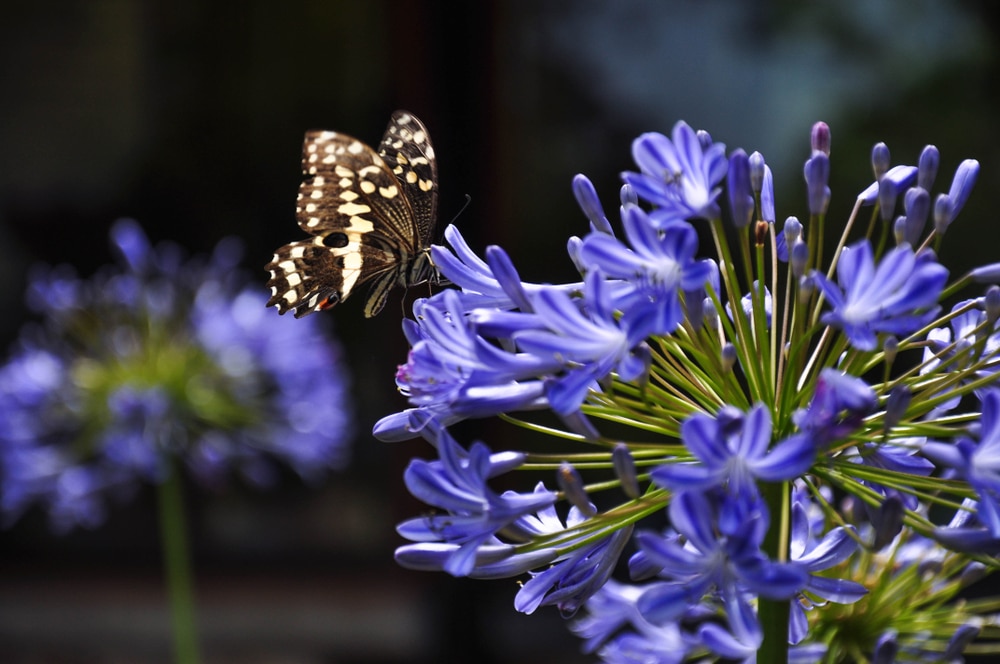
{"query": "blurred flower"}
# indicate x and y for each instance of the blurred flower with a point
(156, 359)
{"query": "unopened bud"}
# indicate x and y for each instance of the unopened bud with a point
(571, 484)
(927, 167)
(880, 159)
(819, 138)
(621, 457)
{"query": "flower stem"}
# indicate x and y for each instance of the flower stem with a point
(774, 614)
(177, 564)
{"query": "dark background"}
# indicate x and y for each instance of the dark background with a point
(188, 116)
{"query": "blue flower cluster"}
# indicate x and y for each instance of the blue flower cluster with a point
(736, 404)
(161, 358)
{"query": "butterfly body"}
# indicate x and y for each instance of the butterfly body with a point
(371, 216)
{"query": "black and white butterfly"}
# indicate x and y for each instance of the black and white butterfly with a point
(371, 215)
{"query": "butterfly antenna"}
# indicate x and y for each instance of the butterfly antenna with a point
(468, 199)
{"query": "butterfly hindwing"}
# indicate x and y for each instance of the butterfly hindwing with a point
(371, 214)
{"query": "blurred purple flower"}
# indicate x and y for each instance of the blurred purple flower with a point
(159, 358)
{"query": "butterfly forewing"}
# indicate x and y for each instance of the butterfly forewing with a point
(371, 214)
(407, 151)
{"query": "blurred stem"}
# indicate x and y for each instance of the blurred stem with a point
(177, 563)
(774, 614)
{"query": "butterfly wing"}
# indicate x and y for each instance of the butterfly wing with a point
(406, 149)
(361, 220)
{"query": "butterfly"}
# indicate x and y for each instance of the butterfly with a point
(371, 216)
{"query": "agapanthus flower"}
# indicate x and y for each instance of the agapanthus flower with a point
(574, 578)
(898, 296)
(658, 268)
(678, 175)
(716, 554)
(735, 451)
(457, 483)
(590, 343)
(800, 421)
(155, 364)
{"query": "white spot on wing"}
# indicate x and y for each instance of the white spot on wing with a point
(353, 209)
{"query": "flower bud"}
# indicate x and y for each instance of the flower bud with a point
(792, 230)
(741, 201)
(887, 522)
(961, 185)
(756, 161)
(917, 203)
(886, 198)
(704, 138)
(942, 213)
(627, 195)
(899, 230)
(621, 457)
(880, 160)
(729, 356)
(927, 167)
(799, 258)
(586, 198)
(991, 304)
(819, 138)
(890, 347)
(571, 484)
(886, 648)
(817, 174)
(896, 405)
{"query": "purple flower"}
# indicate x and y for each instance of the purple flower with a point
(453, 373)
(482, 285)
(159, 358)
(746, 304)
(679, 176)
(614, 620)
(660, 265)
(840, 402)
(721, 557)
(574, 577)
(898, 296)
(590, 343)
(816, 554)
(457, 483)
(963, 344)
(139, 431)
(733, 451)
(979, 462)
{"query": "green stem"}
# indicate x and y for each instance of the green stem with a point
(177, 564)
(774, 614)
